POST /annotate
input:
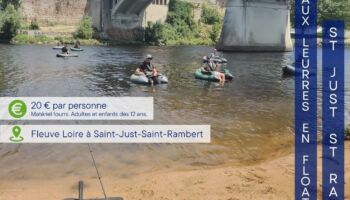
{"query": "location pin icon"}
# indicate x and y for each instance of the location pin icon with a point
(16, 131)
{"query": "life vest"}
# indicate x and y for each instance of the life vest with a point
(146, 67)
(209, 66)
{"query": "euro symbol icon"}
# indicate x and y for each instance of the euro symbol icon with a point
(17, 109)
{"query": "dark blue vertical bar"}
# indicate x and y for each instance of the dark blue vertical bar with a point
(333, 110)
(306, 99)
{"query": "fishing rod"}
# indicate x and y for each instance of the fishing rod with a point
(97, 172)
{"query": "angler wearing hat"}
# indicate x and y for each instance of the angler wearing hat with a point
(214, 54)
(211, 68)
(147, 68)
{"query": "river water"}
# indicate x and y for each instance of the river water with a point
(251, 117)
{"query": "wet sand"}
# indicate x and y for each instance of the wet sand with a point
(272, 179)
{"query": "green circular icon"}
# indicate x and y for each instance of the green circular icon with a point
(17, 109)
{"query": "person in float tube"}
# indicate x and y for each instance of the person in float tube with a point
(59, 43)
(65, 49)
(210, 67)
(214, 54)
(77, 44)
(217, 59)
(148, 69)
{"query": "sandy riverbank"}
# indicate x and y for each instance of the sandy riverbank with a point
(272, 179)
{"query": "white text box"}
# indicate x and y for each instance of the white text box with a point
(105, 134)
(76, 108)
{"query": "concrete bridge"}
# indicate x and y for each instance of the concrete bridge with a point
(256, 25)
(129, 7)
(119, 19)
(249, 25)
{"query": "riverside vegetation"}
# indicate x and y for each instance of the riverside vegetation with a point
(9, 19)
(84, 33)
(181, 29)
(336, 9)
(11, 22)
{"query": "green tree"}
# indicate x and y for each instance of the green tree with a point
(180, 15)
(34, 25)
(180, 27)
(327, 9)
(180, 10)
(84, 30)
(153, 32)
(9, 22)
(5, 3)
(210, 15)
(215, 32)
(159, 33)
(333, 9)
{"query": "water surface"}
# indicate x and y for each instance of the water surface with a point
(251, 117)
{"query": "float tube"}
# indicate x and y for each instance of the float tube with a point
(210, 76)
(142, 79)
(62, 55)
(76, 49)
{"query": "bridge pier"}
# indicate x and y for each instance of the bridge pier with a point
(126, 27)
(122, 19)
(256, 25)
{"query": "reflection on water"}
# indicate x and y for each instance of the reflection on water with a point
(251, 117)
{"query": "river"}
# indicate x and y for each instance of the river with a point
(251, 117)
